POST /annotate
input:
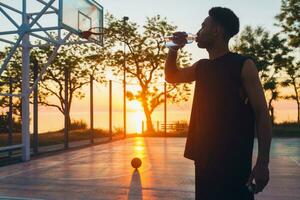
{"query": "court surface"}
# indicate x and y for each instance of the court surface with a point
(104, 172)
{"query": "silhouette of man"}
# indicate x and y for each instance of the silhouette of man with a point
(229, 104)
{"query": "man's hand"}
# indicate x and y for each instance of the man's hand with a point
(179, 38)
(260, 174)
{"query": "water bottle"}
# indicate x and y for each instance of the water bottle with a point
(169, 40)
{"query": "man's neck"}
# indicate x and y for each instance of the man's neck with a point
(217, 51)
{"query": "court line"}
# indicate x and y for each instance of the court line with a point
(17, 198)
(101, 148)
(27, 170)
(293, 159)
(45, 167)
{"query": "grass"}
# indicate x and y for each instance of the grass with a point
(56, 137)
(286, 129)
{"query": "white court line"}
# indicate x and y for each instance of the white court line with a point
(59, 162)
(47, 166)
(28, 170)
(293, 159)
(17, 198)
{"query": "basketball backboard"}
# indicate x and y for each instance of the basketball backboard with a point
(82, 15)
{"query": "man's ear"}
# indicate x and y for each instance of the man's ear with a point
(215, 31)
(219, 31)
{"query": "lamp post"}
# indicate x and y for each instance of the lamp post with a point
(125, 19)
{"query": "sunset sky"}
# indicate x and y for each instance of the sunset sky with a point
(188, 16)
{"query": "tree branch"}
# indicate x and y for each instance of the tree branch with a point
(52, 105)
(49, 90)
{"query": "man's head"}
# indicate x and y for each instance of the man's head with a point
(219, 26)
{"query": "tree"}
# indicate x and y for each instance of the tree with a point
(145, 61)
(5, 119)
(2, 55)
(71, 62)
(293, 72)
(289, 22)
(269, 52)
(13, 72)
(69, 58)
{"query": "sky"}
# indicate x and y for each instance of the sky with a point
(187, 16)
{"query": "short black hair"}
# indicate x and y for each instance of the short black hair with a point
(227, 19)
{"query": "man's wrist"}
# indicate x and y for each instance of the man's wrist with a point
(262, 162)
(174, 50)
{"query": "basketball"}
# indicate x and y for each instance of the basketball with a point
(136, 163)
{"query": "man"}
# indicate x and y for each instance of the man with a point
(228, 104)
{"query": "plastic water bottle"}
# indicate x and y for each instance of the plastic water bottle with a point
(169, 40)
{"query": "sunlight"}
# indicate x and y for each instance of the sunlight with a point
(109, 74)
(139, 148)
(138, 115)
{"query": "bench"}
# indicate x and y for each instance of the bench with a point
(174, 126)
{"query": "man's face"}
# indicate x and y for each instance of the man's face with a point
(207, 34)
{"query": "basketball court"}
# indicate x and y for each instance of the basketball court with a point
(104, 172)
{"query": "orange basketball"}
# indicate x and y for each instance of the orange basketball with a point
(136, 163)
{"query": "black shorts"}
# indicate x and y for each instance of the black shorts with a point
(214, 184)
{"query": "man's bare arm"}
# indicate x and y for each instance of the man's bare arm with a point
(253, 87)
(257, 99)
(173, 74)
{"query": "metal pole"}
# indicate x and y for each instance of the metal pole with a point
(110, 109)
(124, 100)
(10, 112)
(91, 109)
(165, 107)
(124, 77)
(35, 109)
(66, 129)
(25, 88)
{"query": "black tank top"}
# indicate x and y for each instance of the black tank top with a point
(222, 124)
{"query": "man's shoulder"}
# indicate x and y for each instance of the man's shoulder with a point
(200, 62)
(242, 57)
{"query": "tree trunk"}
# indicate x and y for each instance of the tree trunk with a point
(298, 104)
(297, 100)
(148, 116)
(271, 109)
(69, 120)
(272, 116)
(149, 122)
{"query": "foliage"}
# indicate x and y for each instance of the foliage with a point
(145, 60)
(292, 70)
(270, 54)
(4, 122)
(73, 59)
(77, 124)
(289, 21)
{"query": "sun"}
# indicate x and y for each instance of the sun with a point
(135, 105)
(137, 115)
